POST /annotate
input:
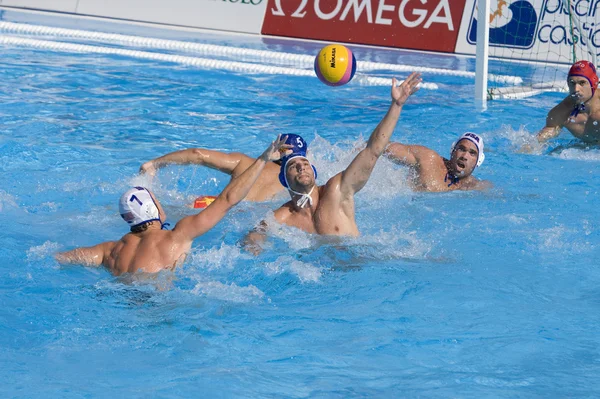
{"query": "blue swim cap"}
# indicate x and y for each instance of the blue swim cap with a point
(298, 150)
(299, 146)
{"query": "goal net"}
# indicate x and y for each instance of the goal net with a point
(541, 39)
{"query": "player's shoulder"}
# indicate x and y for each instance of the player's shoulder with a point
(566, 105)
(283, 212)
(423, 151)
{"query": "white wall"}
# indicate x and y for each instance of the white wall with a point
(230, 15)
(51, 5)
(236, 15)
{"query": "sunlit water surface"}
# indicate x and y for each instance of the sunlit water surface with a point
(470, 294)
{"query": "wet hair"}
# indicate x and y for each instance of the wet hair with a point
(141, 227)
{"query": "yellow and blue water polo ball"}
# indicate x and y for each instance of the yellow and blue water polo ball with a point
(335, 65)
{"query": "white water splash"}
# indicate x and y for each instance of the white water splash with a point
(522, 140)
(228, 292)
(43, 251)
(561, 239)
(99, 216)
(223, 257)
(7, 201)
(580, 154)
(212, 117)
(395, 244)
(386, 180)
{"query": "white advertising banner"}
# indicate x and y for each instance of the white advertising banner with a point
(230, 15)
(535, 29)
(49, 5)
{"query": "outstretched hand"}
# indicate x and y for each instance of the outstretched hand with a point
(407, 88)
(277, 150)
(148, 168)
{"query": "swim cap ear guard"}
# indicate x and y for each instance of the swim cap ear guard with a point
(299, 148)
(282, 175)
(137, 207)
(475, 139)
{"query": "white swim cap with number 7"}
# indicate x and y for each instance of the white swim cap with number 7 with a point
(136, 207)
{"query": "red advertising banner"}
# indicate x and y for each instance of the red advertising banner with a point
(413, 24)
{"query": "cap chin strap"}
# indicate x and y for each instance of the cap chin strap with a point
(304, 198)
(579, 108)
(451, 179)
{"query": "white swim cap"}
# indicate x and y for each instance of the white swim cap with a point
(136, 207)
(475, 139)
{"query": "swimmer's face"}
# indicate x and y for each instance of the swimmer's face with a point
(464, 158)
(580, 88)
(300, 174)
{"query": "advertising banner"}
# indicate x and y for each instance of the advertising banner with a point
(536, 29)
(412, 24)
(229, 15)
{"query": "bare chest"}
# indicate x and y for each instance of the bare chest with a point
(436, 180)
(585, 127)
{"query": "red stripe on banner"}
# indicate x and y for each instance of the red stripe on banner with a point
(413, 24)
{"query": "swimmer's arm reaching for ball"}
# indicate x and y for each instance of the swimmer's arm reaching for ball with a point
(191, 227)
(87, 256)
(220, 161)
(358, 172)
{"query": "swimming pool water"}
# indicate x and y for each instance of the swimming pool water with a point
(487, 294)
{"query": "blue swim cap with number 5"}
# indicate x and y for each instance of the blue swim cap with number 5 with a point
(298, 143)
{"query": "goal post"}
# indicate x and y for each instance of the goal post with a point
(536, 40)
(482, 52)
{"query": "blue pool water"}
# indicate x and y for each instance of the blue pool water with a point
(492, 294)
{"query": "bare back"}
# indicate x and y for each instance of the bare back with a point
(153, 249)
(267, 185)
(150, 251)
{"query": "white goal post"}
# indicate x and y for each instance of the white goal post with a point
(534, 39)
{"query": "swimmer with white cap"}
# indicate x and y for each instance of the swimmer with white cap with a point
(579, 112)
(432, 172)
(329, 209)
(151, 248)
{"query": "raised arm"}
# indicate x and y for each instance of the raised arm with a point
(220, 161)
(358, 172)
(87, 256)
(410, 155)
(237, 189)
